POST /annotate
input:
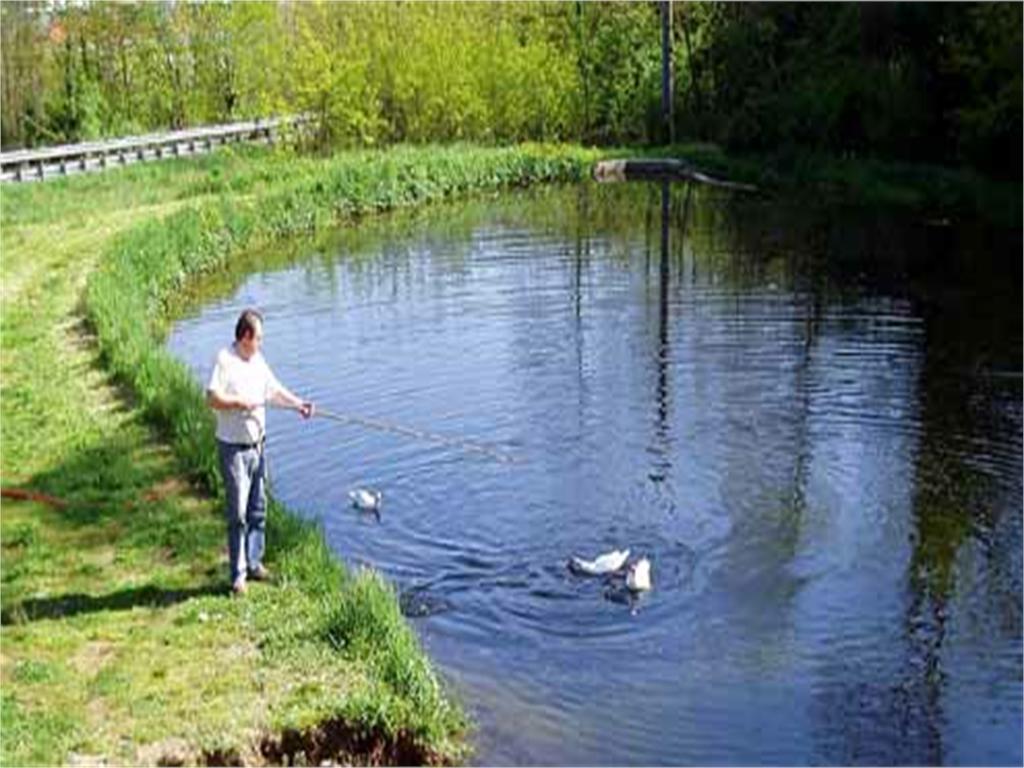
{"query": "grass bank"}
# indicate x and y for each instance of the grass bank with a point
(119, 641)
(933, 192)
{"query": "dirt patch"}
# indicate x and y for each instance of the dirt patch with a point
(92, 656)
(169, 486)
(330, 743)
(96, 712)
(177, 751)
(334, 742)
(80, 761)
(226, 757)
(166, 752)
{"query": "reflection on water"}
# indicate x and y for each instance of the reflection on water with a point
(809, 420)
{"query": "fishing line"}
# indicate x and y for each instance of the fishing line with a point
(418, 434)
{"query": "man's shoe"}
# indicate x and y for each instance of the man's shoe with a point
(239, 587)
(259, 573)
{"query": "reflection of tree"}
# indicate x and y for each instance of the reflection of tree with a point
(961, 436)
(802, 389)
(773, 348)
(582, 244)
(954, 498)
(663, 352)
(662, 355)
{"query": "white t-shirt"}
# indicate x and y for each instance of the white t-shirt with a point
(251, 379)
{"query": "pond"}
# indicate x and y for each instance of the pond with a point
(808, 419)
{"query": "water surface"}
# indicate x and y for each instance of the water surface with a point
(809, 420)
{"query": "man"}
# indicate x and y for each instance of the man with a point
(240, 387)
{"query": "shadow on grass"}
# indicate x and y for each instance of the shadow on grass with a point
(109, 477)
(116, 506)
(128, 492)
(64, 606)
(114, 461)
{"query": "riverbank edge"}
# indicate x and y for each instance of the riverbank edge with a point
(407, 717)
(936, 193)
(126, 303)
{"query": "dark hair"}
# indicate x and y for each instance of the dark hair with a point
(246, 324)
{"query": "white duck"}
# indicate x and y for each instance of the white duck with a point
(366, 499)
(638, 577)
(610, 562)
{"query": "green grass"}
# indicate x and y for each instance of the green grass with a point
(119, 640)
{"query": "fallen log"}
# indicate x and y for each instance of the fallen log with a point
(666, 169)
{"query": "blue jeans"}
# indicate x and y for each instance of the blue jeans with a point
(243, 470)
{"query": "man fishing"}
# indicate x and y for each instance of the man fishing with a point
(241, 385)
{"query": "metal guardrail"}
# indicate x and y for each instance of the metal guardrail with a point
(67, 159)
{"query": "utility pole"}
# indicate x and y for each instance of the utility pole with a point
(666, 70)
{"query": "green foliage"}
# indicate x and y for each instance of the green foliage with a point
(982, 59)
(921, 82)
(915, 82)
(370, 73)
(620, 63)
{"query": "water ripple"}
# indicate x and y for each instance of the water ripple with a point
(824, 471)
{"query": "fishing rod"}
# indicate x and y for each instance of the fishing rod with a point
(419, 434)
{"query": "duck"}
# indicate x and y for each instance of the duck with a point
(638, 577)
(610, 562)
(366, 499)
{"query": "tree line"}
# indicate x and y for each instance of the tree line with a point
(926, 82)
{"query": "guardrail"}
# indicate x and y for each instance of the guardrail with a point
(67, 159)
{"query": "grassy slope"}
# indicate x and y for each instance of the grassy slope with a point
(118, 639)
(84, 675)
